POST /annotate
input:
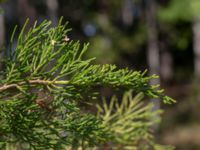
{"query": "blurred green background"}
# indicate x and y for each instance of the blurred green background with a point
(162, 36)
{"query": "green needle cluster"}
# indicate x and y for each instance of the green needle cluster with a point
(45, 78)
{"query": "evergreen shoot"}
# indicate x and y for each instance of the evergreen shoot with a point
(45, 79)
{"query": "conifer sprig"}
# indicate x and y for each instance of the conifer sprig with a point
(130, 122)
(44, 79)
(42, 56)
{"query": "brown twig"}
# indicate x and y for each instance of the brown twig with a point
(38, 81)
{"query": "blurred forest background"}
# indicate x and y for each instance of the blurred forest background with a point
(162, 36)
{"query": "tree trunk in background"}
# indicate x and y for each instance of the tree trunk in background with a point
(2, 37)
(26, 10)
(196, 47)
(52, 11)
(153, 49)
(127, 12)
(166, 65)
(196, 51)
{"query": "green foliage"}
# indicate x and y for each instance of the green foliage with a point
(112, 41)
(1, 1)
(130, 122)
(42, 84)
(185, 10)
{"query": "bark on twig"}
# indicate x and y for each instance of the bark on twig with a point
(38, 81)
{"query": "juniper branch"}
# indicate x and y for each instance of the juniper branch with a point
(32, 82)
(44, 62)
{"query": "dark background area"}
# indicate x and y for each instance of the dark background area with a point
(162, 36)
